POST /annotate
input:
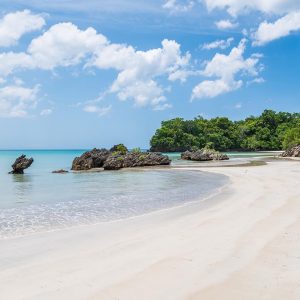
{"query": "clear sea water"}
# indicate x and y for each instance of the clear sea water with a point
(41, 201)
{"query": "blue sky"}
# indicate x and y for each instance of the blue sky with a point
(79, 74)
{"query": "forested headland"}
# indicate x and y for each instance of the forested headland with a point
(269, 131)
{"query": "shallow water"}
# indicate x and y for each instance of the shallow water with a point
(42, 201)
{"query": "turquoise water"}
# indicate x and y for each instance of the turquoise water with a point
(235, 159)
(40, 201)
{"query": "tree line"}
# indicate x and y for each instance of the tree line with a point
(269, 131)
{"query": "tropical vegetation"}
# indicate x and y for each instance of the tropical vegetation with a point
(269, 131)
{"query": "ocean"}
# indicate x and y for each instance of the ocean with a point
(41, 201)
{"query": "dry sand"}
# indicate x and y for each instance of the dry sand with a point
(242, 244)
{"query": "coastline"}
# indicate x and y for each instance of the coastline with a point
(241, 244)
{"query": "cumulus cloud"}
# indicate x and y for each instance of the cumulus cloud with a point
(64, 45)
(226, 24)
(138, 70)
(268, 32)
(11, 61)
(178, 5)
(16, 101)
(96, 109)
(235, 7)
(226, 68)
(221, 44)
(14, 25)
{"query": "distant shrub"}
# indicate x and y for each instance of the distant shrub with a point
(136, 150)
(120, 148)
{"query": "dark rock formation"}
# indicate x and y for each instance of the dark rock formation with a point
(120, 148)
(292, 152)
(114, 162)
(135, 159)
(21, 164)
(61, 171)
(141, 159)
(90, 160)
(203, 155)
(117, 158)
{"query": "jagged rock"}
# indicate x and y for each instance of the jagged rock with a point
(292, 152)
(117, 158)
(114, 162)
(120, 148)
(90, 160)
(135, 159)
(203, 155)
(61, 171)
(141, 159)
(21, 164)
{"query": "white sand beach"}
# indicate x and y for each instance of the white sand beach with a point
(242, 244)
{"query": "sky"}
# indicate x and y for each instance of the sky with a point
(82, 74)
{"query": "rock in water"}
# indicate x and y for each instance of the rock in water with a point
(116, 158)
(135, 159)
(61, 171)
(203, 155)
(90, 160)
(21, 164)
(141, 159)
(293, 152)
(114, 162)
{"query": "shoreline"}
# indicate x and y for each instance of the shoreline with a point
(199, 202)
(199, 248)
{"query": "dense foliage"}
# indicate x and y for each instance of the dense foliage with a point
(269, 131)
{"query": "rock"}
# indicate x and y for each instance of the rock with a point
(61, 171)
(21, 164)
(141, 159)
(120, 148)
(117, 158)
(203, 155)
(90, 160)
(114, 162)
(292, 152)
(135, 159)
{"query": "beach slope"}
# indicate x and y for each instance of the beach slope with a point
(242, 244)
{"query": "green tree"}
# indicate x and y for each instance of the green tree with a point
(291, 138)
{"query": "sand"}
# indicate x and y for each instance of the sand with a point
(242, 244)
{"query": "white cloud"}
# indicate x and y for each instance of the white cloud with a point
(179, 6)
(238, 106)
(163, 106)
(235, 7)
(214, 88)
(101, 111)
(46, 112)
(14, 25)
(16, 101)
(257, 80)
(226, 24)
(268, 32)
(226, 68)
(221, 44)
(11, 61)
(64, 45)
(139, 69)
